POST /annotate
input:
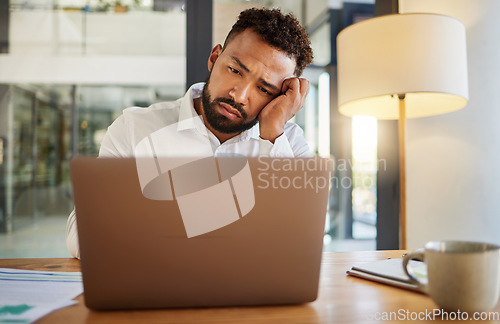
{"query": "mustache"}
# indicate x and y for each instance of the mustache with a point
(233, 104)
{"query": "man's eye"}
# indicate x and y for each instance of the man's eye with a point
(264, 90)
(234, 70)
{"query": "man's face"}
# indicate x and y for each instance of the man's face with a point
(244, 78)
(221, 122)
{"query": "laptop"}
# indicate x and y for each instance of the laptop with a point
(175, 233)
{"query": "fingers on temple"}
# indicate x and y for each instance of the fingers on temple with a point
(299, 87)
(304, 90)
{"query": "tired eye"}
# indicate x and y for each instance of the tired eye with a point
(234, 70)
(264, 90)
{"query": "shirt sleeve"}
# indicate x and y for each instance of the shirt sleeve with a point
(289, 144)
(116, 142)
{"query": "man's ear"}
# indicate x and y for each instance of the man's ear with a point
(216, 51)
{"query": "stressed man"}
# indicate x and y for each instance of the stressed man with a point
(253, 90)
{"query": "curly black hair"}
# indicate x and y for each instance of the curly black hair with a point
(283, 32)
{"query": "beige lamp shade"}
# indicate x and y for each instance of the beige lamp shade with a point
(421, 56)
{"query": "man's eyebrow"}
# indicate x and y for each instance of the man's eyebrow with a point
(269, 85)
(243, 66)
(264, 82)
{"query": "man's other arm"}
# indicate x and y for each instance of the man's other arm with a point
(114, 144)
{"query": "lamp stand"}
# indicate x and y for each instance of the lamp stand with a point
(402, 171)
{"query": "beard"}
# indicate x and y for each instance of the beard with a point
(220, 122)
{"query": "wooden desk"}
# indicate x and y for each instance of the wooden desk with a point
(342, 299)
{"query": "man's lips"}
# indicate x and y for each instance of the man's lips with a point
(229, 111)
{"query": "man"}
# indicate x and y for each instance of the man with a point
(252, 91)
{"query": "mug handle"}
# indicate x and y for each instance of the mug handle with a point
(415, 255)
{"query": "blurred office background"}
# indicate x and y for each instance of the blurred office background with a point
(69, 67)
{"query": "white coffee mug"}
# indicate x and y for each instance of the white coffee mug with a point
(461, 275)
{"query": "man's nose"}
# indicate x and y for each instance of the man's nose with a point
(240, 92)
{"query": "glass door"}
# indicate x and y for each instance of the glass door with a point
(40, 185)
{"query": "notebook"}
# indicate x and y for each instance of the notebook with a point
(205, 232)
(390, 272)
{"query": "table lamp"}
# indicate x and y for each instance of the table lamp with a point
(402, 66)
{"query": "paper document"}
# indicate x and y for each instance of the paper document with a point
(391, 272)
(27, 295)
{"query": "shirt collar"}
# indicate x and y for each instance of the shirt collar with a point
(253, 132)
(187, 113)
